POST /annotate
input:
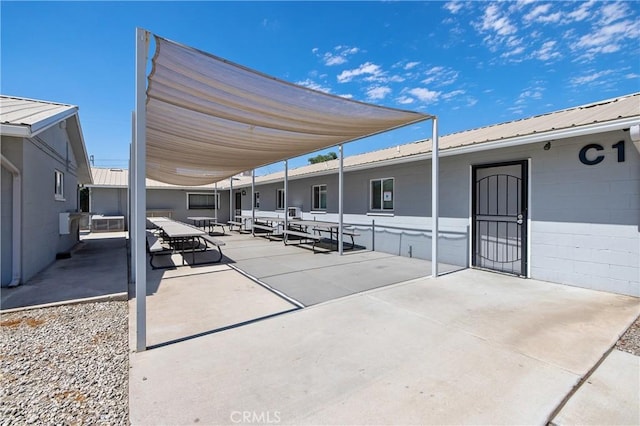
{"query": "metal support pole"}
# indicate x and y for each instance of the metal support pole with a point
(131, 200)
(286, 194)
(373, 235)
(140, 204)
(340, 201)
(231, 215)
(253, 198)
(215, 202)
(434, 200)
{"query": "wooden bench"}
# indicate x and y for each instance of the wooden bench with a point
(304, 237)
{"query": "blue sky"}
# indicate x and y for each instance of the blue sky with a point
(470, 63)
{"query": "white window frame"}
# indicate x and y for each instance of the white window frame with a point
(58, 185)
(381, 195)
(280, 204)
(216, 198)
(315, 207)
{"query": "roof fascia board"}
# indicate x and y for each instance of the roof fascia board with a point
(18, 131)
(49, 122)
(29, 131)
(80, 150)
(588, 129)
(594, 128)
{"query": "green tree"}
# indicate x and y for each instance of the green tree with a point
(323, 157)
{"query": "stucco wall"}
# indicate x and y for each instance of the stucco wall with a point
(109, 201)
(40, 210)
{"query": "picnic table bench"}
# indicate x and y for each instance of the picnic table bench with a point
(233, 223)
(269, 230)
(345, 232)
(303, 237)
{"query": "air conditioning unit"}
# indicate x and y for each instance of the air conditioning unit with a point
(294, 213)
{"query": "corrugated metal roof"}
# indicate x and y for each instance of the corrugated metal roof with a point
(29, 116)
(119, 178)
(600, 112)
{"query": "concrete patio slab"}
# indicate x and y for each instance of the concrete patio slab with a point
(611, 395)
(404, 354)
(187, 305)
(532, 317)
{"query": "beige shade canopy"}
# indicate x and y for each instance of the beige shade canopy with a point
(208, 119)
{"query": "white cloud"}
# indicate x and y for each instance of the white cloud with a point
(313, 85)
(378, 92)
(410, 65)
(537, 11)
(440, 76)
(607, 39)
(581, 13)
(612, 12)
(589, 78)
(405, 100)
(452, 94)
(367, 68)
(338, 56)
(529, 94)
(453, 6)
(425, 95)
(547, 52)
(494, 20)
(330, 59)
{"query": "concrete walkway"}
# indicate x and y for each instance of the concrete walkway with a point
(469, 347)
(610, 396)
(96, 269)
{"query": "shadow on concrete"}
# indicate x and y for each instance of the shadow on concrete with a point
(97, 268)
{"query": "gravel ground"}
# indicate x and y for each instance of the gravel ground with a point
(630, 340)
(65, 365)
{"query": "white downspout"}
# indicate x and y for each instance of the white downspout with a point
(16, 218)
(435, 186)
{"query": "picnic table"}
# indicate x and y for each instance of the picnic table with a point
(206, 221)
(180, 238)
(310, 230)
